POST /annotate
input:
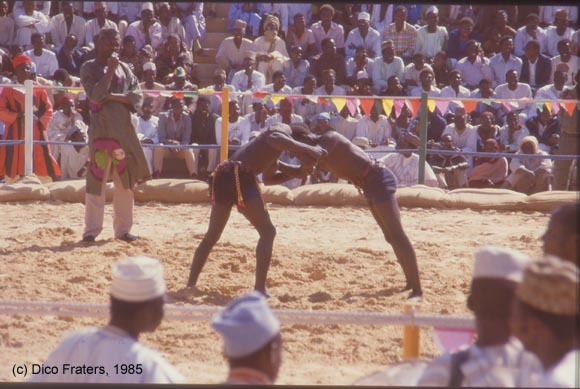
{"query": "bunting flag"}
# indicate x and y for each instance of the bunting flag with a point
(277, 98)
(450, 339)
(75, 91)
(260, 95)
(569, 107)
(152, 94)
(166, 93)
(323, 100)
(339, 102)
(555, 108)
(549, 106)
(469, 105)
(218, 95)
(351, 105)
(507, 105)
(414, 105)
(487, 102)
(367, 105)
(399, 107)
(188, 94)
(312, 98)
(431, 105)
(206, 91)
(442, 105)
(388, 106)
(540, 106)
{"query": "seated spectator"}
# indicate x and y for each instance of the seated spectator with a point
(174, 129)
(412, 71)
(284, 115)
(146, 31)
(238, 127)
(257, 118)
(562, 236)
(512, 133)
(28, 23)
(441, 67)
(99, 23)
(405, 166)
(219, 83)
(553, 91)
(449, 169)
(270, 49)
(327, 29)
(504, 61)
(171, 24)
(329, 59)
(305, 107)
(69, 57)
(500, 26)
(545, 128)
(148, 130)
(496, 274)
(129, 53)
(459, 38)
(381, 17)
(530, 31)
(484, 91)
(65, 24)
(431, 38)
(203, 133)
(474, 67)
(386, 66)
(362, 86)
(329, 88)
(464, 134)
(178, 81)
(44, 60)
(376, 128)
(248, 79)
(536, 67)
(514, 89)
(363, 35)
(6, 26)
(487, 129)
(360, 62)
(74, 159)
(489, 172)
(394, 87)
(558, 32)
(403, 34)
(436, 124)
(173, 54)
(454, 90)
(345, 124)
(278, 86)
(529, 175)
(299, 35)
(252, 340)
(231, 51)
(545, 319)
(296, 67)
(62, 124)
(566, 58)
(426, 77)
(149, 84)
(404, 124)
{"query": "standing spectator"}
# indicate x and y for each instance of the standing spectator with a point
(231, 51)
(529, 175)
(300, 35)
(174, 129)
(74, 159)
(572, 62)
(113, 92)
(497, 272)
(514, 89)
(530, 31)
(536, 67)
(545, 319)
(148, 130)
(326, 28)
(203, 133)
(12, 114)
(146, 31)
(381, 17)
(330, 59)
(569, 137)
(562, 236)
(66, 23)
(6, 26)
(560, 31)
(458, 39)
(129, 10)
(431, 38)
(28, 23)
(375, 128)
(44, 60)
(449, 169)
(403, 34)
(172, 25)
(474, 67)
(246, 12)
(69, 57)
(149, 84)
(303, 8)
(552, 91)
(363, 35)
(545, 127)
(512, 133)
(464, 134)
(296, 68)
(386, 66)
(62, 124)
(252, 340)
(100, 22)
(504, 61)
(489, 172)
(136, 306)
(270, 49)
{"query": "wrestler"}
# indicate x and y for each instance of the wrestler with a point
(378, 184)
(234, 182)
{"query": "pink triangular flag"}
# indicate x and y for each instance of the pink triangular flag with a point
(399, 107)
(507, 105)
(442, 105)
(555, 108)
(351, 105)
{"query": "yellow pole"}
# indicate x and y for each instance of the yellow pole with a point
(225, 123)
(411, 336)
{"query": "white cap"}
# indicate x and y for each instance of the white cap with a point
(432, 9)
(362, 74)
(500, 263)
(137, 279)
(363, 16)
(149, 66)
(247, 324)
(147, 5)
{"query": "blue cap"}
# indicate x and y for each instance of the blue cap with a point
(323, 116)
(247, 324)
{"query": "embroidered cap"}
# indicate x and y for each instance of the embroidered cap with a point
(501, 263)
(137, 279)
(363, 16)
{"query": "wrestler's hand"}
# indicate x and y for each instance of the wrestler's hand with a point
(316, 152)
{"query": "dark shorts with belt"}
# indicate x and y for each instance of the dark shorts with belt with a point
(379, 184)
(223, 185)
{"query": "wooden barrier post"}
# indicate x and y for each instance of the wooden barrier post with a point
(225, 123)
(411, 335)
(423, 135)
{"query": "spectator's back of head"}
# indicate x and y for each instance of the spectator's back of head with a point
(562, 237)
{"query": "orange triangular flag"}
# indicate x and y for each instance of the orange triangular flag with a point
(323, 100)
(367, 105)
(469, 105)
(339, 102)
(414, 105)
(569, 107)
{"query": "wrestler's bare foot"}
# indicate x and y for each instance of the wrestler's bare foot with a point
(416, 292)
(264, 293)
(191, 291)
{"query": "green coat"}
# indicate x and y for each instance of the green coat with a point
(113, 120)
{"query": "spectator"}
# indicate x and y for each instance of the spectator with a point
(454, 90)
(238, 127)
(464, 134)
(487, 129)
(149, 84)
(363, 35)
(561, 237)
(246, 12)
(529, 175)
(403, 124)
(530, 31)
(403, 34)
(545, 319)
(305, 107)
(278, 10)
(513, 89)
(381, 17)
(172, 55)
(536, 67)
(497, 272)
(136, 305)
(329, 88)
(62, 124)
(545, 127)
(569, 138)
(500, 26)
(219, 79)
(512, 133)
(303, 8)
(174, 129)
(172, 25)
(504, 61)
(180, 82)
(203, 133)
(129, 11)
(345, 124)
(44, 60)
(431, 38)
(248, 79)
(386, 66)
(28, 23)
(459, 38)
(74, 159)
(100, 22)
(296, 68)
(129, 53)
(362, 86)
(426, 77)
(441, 67)
(566, 58)
(449, 169)
(252, 340)
(489, 172)
(231, 51)
(375, 128)
(329, 59)
(270, 49)
(413, 70)
(552, 91)
(257, 118)
(394, 87)
(359, 63)
(326, 28)
(474, 67)
(146, 31)
(6, 26)
(560, 31)
(66, 23)
(299, 35)
(148, 130)
(484, 91)
(69, 57)
(547, 14)
(284, 115)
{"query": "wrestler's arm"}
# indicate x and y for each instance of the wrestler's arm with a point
(281, 172)
(281, 141)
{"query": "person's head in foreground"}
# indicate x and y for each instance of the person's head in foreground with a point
(252, 340)
(545, 318)
(562, 237)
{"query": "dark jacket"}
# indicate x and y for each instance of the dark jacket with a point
(543, 71)
(553, 127)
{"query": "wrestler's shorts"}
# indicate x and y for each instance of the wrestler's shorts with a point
(379, 184)
(224, 190)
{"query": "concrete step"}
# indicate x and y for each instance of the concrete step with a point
(207, 57)
(216, 24)
(214, 39)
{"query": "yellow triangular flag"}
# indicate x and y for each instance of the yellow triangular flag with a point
(277, 98)
(549, 106)
(431, 105)
(388, 106)
(339, 102)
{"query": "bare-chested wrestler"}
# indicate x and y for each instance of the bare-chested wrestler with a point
(348, 161)
(234, 182)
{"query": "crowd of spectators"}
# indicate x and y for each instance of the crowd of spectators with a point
(375, 50)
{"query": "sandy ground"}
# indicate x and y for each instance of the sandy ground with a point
(324, 259)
